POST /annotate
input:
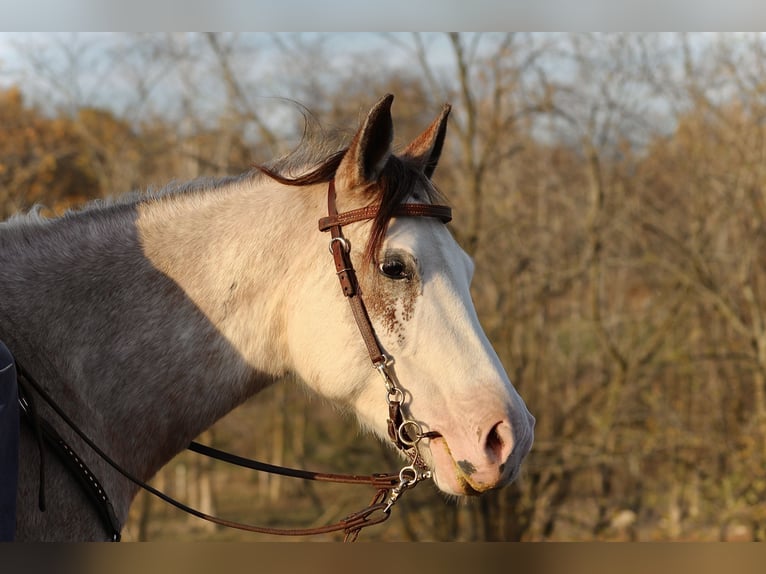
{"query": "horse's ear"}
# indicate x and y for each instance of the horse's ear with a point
(370, 149)
(427, 147)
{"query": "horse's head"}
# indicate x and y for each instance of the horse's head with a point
(415, 280)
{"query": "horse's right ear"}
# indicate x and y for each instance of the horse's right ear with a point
(369, 150)
(427, 147)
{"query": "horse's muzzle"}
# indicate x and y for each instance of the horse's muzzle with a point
(488, 460)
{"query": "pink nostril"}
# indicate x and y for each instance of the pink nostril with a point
(499, 442)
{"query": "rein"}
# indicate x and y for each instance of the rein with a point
(404, 433)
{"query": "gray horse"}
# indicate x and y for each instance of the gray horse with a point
(150, 317)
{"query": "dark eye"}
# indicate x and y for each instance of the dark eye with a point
(394, 269)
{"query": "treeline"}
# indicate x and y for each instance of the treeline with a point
(612, 191)
(61, 161)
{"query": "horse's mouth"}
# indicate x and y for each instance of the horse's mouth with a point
(456, 476)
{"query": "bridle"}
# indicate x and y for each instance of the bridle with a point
(404, 433)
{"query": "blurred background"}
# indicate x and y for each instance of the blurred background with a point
(611, 189)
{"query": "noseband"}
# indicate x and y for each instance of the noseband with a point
(404, 433)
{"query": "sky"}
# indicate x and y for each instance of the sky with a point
(105, 80)
(98, 78)
(392, 15)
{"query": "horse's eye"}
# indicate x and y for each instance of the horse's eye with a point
(394, 269)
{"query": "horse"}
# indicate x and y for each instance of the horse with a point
(147, 317)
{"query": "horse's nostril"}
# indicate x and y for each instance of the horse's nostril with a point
(494, 443)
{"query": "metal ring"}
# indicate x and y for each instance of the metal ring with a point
(343, 243)
(394, 392)
(403, 480)
(404, 438)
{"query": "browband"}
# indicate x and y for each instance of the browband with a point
(441, 212)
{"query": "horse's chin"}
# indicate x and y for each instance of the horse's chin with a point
(445, 471)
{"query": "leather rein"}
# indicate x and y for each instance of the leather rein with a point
(404, 433)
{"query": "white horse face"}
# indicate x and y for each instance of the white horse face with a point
(420, 304)
(418, 298)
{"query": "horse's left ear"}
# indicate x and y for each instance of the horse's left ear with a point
(370, 149)
(427, 147)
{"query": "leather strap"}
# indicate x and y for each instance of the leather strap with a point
(381, 481)
(375, 513)
(340, 249)
(77, 467)
(441, 212)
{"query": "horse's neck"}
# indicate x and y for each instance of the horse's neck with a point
(156, 331)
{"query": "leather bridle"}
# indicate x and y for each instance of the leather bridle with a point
(404, 433)
(341, 253)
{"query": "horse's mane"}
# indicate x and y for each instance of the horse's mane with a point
(314, 160)
(123, 201)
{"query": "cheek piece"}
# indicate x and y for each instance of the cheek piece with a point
(404, 433)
